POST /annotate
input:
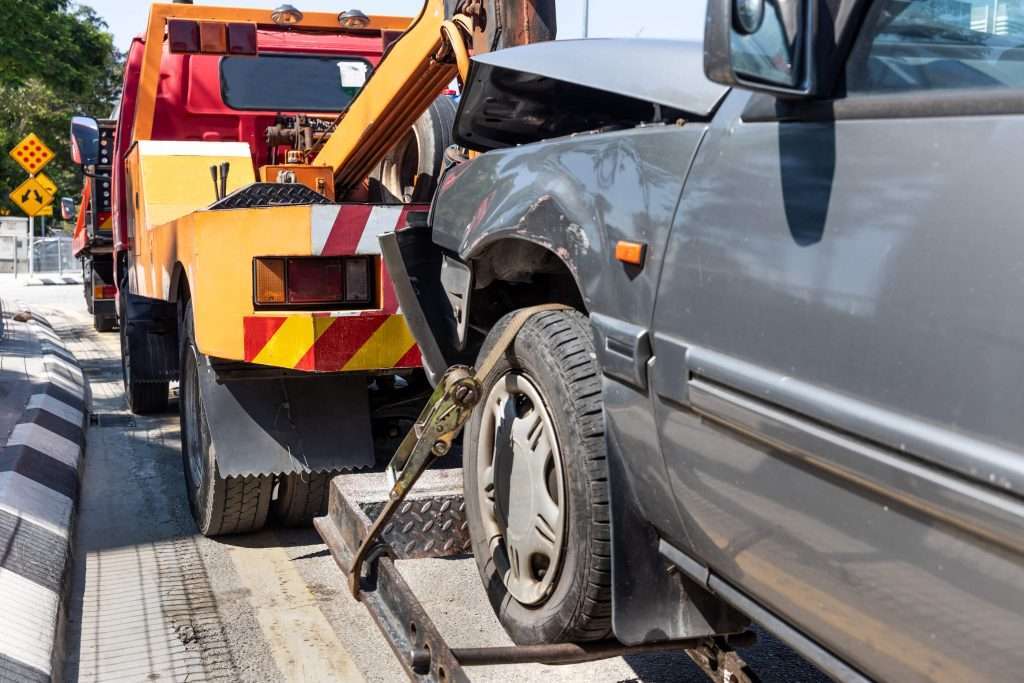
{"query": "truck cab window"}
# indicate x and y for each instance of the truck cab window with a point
(939, 44)
(272, 83)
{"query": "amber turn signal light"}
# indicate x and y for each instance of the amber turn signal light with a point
(270, 281)
(630, 252)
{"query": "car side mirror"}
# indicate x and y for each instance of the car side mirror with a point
(762, 45)
(85, 141)
(67, 209)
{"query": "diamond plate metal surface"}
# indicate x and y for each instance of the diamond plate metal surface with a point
(433, 526)
(270, 194)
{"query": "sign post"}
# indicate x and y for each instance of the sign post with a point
(35, 195)
(31, 236)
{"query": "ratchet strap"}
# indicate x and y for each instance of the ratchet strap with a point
(439, 423)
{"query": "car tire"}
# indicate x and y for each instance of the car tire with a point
(220, 505)
(507, 438)
(301, 496)
(144, 398)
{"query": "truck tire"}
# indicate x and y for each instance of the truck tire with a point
(220, 505)
(87, 286)
(537, 438)
(301, 496)
(144, 398)
(102, 323)
(410, 171)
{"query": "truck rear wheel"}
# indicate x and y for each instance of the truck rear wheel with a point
(144, 398)
(301, 496)
(220, 505)
(536, 484)
(102, 322)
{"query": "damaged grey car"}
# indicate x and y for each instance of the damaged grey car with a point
(785, 383)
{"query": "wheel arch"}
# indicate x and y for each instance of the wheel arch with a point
(178, 289)
(511, 272)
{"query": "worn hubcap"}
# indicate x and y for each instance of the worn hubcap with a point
(521, 487)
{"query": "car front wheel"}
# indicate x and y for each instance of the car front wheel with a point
(536, 484)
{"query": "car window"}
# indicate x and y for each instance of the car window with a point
(908, 45)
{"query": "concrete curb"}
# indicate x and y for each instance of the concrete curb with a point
(55, 279)
(39, 475)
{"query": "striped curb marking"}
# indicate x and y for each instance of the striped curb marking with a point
(39, 469)
(56, 280)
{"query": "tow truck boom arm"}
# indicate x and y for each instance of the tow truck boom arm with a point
(417, 68)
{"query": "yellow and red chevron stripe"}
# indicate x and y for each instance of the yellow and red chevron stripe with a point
(323, 343)
(361, 341)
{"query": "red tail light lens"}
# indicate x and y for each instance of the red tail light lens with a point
(314, 281)
(104, 292)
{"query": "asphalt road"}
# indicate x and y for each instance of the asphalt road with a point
(154, 600)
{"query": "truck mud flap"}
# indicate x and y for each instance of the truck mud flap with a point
(151, 332)
(280, 425)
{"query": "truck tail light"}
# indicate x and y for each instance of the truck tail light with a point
(315, 281)
(185, 36)
(358, 275)
(270, 281)
(104, 292)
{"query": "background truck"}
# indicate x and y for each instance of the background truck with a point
(93, 242)
(252, 174)
(775, 369)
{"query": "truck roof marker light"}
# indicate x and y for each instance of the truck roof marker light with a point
(242, 39)
(353, 18)
(213, 37)
(183, 36)
(286, 15)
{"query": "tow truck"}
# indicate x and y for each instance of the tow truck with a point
(257, 156)
(92, 243)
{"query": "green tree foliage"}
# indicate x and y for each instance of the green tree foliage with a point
(57, 59)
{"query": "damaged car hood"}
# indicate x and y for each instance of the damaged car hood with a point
(556, 88)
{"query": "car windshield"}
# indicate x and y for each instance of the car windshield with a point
(293, 83)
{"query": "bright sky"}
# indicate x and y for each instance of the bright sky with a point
(646, 18)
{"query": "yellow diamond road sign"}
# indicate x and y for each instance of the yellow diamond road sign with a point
(32, 154)
(49, 185)
(31, 197)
